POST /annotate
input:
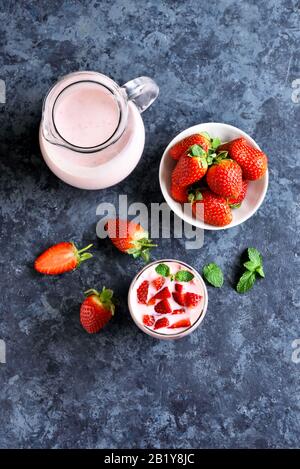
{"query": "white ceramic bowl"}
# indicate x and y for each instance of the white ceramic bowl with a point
(157, 334)
(256, 189)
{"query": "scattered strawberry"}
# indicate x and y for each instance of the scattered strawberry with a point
(190, 168)
(235, 202)
(180, 194)
(142, 292)
(148, 320)
(216, 210)
(178, 311)
(162, 322)
(225, 178)
(163, 307)
(191, 299)
(179, 287)
(96, 310)
(162, 294)
(196, 139)
(61, 258)
(181, 323)
(129, 237)
(151, 302)
(254, 162)
(178, 297)
(158, 283)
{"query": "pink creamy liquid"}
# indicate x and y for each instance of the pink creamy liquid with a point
(86, 114)
(139, 310)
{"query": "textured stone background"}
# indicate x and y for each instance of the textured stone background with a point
(230, 384)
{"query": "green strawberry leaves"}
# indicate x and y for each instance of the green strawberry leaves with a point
(254, 268)
(180, 276)
(213, 274)
(196, 150)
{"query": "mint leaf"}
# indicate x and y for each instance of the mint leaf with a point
(255, 256)
(260, 271)
(246, 281)
(213, 274)
(163, 269)
(184, 276)
(250, 266)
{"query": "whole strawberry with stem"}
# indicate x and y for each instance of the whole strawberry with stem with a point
(212, 208)
(129, 237)
(225, 177)
(235, 202)
(190, 168)
(60, 258)
(183, 145)
(96, 310)
(254, 162)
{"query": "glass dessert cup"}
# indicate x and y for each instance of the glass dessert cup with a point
(194, 314)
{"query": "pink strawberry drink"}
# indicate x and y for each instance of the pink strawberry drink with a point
(167, 299)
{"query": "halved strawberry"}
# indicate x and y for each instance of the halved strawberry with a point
(178, 311)
(162, 294)
(61, 258)
(179, 287)
(163, 307)
(158, 283)
(142, 292)
(148, 320)
(162, 322)
(96, 310)
(179, 298)
(181, 323)
(192, 299)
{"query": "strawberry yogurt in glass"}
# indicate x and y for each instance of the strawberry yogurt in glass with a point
(167, 299)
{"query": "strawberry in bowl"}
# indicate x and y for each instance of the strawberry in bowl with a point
(227, 170)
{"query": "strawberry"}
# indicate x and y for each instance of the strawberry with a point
(142, 292)
(225, 178)
(196, 139)
(162, 294)
(148, 320)
(178, 193)
(226, 146)
(178, 311)
(191, 299)
(163, 307)
(191, 167)
(129, 237)
(235, 202)
(178, 287)
(162, 322)
(96, 310)
(60, 258)
(212, 209)
(158, 283)
(254, 162)
(178, 297)
(181, 323)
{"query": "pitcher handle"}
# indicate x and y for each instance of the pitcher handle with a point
(142, 91)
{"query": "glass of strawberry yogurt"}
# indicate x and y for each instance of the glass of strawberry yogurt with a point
(167, 299)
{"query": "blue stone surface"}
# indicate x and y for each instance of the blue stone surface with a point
(232, 383)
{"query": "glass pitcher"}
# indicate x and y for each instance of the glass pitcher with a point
(91, 133)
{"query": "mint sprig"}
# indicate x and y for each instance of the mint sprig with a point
(254, 268)
(180, 276)
(213, 274)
